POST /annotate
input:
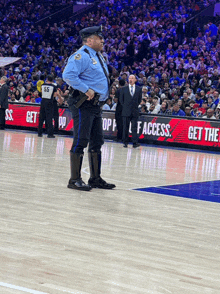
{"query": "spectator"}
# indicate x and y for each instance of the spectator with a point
(177, 111)
(108, 104)
(209, 114)
(195, 111)
(188, 111)
(215, 99)
(164, 109)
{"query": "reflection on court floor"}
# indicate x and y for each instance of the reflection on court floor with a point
(58, 240)
(165, 165)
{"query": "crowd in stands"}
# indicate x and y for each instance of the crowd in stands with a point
(178, 68)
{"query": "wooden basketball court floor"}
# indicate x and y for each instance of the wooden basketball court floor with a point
(54, 240)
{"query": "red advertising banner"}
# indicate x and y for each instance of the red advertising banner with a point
(25, 115)
(22, 115)
(154, 128)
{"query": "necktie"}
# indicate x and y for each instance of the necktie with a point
(132, 91)
(104, 69)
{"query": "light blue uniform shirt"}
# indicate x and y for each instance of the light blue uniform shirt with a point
(84, 71)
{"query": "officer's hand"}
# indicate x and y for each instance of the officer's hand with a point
(90, 93)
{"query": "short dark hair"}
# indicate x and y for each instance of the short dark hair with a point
(50, 78)
(121, 82)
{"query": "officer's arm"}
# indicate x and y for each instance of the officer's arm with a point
(76, 65)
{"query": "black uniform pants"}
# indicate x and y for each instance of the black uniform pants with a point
(46, 114)
(2, 118)
(126, 123)
(87, 127)
(56, 116)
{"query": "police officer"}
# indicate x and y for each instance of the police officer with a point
(49, 91)
(87, 73)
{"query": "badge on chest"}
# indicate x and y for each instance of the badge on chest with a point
(94, 61)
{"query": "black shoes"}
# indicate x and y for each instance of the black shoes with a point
(78, 185)
(40, 135)
(51, 136)
(100, 183)
(92, 183)
(135, 145)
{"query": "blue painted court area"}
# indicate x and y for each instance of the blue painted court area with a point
(206, 191)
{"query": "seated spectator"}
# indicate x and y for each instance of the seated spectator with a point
(151, 109)
(108, 104)
(210, 102)
(177, 111)
(17, 94)
(144, 92)
(36, 96)
(217, 112)
(185, 99)
(190, 94)
(215, 99)
(201, 111)
(205, 83)
(195, 110)
(188, 111)
(21, 89)
(216, 84)
(112, 93)
(209, 114)
(143, 109)
(203, 96)
(12, 98)
(181, 104)
(164, 110)
(28, 92)
(143, 102)
(156, 103)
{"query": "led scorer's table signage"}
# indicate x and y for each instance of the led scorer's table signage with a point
(155, 128)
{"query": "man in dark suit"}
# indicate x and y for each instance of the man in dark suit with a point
(130, 98)
(3, 101)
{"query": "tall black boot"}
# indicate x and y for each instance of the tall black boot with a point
(76, 182)
(95, 181)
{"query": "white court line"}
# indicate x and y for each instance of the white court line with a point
(166, 188)
(21, 288)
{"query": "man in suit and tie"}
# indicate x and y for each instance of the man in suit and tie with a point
(3, 101)
(130, 98)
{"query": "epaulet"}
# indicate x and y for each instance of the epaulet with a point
(87, 51)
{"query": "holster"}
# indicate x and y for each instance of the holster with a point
(77, 98)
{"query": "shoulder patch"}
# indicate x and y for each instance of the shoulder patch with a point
(78, 56)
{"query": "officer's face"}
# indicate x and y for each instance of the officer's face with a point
(96, 43)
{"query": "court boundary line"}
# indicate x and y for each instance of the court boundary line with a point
(31, 291)
(23, 289)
